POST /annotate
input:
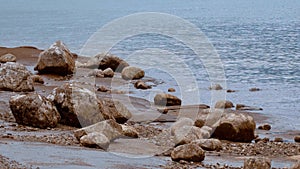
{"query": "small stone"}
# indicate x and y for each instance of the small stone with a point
(8, 58)
(188, 152)
(297, 139)
(265, 127)
(254, 89)
(278, 139)
(257, 163)
(171, 90)
(199, 123)
(224, 104)
(37, 79)
(129, 131)
(164, 99)
(230, 91)
(216, 87)
(209, 144)
(131, 73)
(108, 72)
(97, 73)
(141, 85)
(95, 140)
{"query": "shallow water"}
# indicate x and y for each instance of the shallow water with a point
(258, 43)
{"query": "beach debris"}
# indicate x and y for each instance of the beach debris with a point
(257, 163)
(117, 110)
(164, 99)
(254, 89)
(8, 58)
(34, 110)
(183, 121)
(171, 90)
(108, 72)
(129, 131)
(95, 140)
(209, 144)
(15, 77)
(187, 134)
(37, 79)
(131, 73)
(224, 104)
(110, 128)
(77, 105)
(245, 107)
(235, 127)
(188, 152)
(57, 59)
(215, 87)
(265, 126)
(141, 85)
(297, 139)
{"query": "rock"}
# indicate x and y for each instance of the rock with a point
(188, 152)
(129, 131)
(278, 139)
(96, 73)
(37, 79)
(199, 123)
(183, 121)
(244, 107)
(215, 87)
(131, 73)
(297, 139)
(296, 165)
(171, 90)
(231, 91)
(110, 61)
(224, 104)
(103, 89)
(209, 144)
(57, 59)
(78, 106)
(8, 58)
(265, 127)
(235, 127)
(254, 89)
(141, 85)
(164, 99)
(95, 140)
(15, 77)
(34, 110)
(108, 72)
(117, 110)
(187, 134)
(110, 128)
(257, 163)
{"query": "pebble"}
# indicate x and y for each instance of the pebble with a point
(265, 127)
(297, 139)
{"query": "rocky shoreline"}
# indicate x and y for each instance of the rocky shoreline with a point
(241, 141)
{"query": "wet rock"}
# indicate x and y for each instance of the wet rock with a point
(141, 85)
(245, 107)
(8, 58)
(224, 104)
(117, 110)
(37, 79)
(77, 105)
(187, 134)
(171, 90)
(180, 123)
(57, 59)
(15, 77)
(97, 73)
(108, 72)
(34, 110)
(188, 152)
(110, 61)
(95, 140)
(257, 163)
(110, 128)
(209, 144)
(235, 127)
(129, 131)
(164, 99)
(278, 139)
(265, 127)
(297, 139)
(215, 87)
(254, 89)
(131, 73)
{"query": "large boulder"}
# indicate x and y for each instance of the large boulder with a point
(235, 127)
(131, 73)
(8, 58)
(187, 134)
(15, 77)
(78, 106)
(110, 128)
(257, 163)
(104, 61)
(164, 99)
(117, 109)
(34, 110)
(188, 152)
(95, 140)
(57, 59)
(209, 144)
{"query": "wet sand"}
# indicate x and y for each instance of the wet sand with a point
(22, 145)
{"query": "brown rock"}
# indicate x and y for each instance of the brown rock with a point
(141, 85)
(265, 127)
(108, 72)
(37, 79)
(187, 134)
(254, 89)
(96, 73)
(110, 61)
(188, 152)
(103, 89)
(129, 131)
(257, 163)
(34, 110)
(117, 110)
(131, 73)
(95, 140)
(278, 139)
(224, 104)
(171, 90)
(199, 123)
(57, 59)
(209, 144)
(216, 87)
(15, 77)
(164, 99)
(183, 121)
(297, 139)
(8, 58)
